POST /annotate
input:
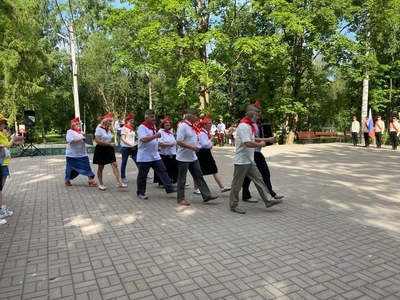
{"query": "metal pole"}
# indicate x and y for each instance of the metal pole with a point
(74, 71)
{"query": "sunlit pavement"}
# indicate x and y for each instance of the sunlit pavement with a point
(336, 235)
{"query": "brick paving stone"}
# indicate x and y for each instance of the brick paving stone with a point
(334, 237)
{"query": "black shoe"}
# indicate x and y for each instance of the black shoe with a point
(238, 210)
(174, 190)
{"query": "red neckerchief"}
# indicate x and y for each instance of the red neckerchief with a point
(129, 127)
(149, 126)
(167, 131)
(248, 122)
(195, 129)
(78, 131)
(207, 132)
(105, 128)
(395, 126)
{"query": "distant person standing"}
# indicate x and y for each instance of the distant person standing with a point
(394, 131)
(128, 145)
(76, 155)
(366, 132)
(118, 124)
(379, 128)
(355, 130)
(104, 152)
(221, 133)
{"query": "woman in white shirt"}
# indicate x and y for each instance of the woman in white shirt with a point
(167, 145)
(104, 153)
(206, 160)
(76, 155)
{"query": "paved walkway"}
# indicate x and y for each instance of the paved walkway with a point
(336, 236)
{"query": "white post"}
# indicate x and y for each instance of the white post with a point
(74, 71)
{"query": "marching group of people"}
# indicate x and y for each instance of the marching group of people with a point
(379, 129)
(172, 157)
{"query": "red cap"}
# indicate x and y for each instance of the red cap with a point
(129, 116)
(76, 120)
(107, 116)
(205, 120)
(166, 119)
(257, 104)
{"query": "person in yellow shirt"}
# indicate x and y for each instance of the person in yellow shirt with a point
(4, 143)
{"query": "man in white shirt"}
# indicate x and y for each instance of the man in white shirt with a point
(244, 165)
(187, 160)
(221, 133)
(118, 124)
(149, 157)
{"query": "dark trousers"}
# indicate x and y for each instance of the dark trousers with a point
(262, 166)
(366, 139)
(378, 136)
(221, 139)
(354, 136)
(394, 139)
(159, 169)
(126, 152)
(195, 171)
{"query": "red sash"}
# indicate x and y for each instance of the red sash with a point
(78, 131)
(248, 122)
(395, 127)
(195, 129)
(208, 133)
(129, 127)
(377, 124)
(149, 126)
(167, 131)
(105, 128)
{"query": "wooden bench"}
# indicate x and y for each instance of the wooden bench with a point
(306, 136)
(324, 135)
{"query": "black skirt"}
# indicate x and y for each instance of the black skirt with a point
(104, 155)
(207, 162)
(171, 164)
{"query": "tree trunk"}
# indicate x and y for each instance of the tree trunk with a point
(202, 28)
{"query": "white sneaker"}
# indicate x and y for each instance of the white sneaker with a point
(225, 189)
(3, 221)
(102, 187)
(5, 213)
(125, 180)
(143, 197)
(197, 192)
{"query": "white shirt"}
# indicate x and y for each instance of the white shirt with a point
(186, 134)
(129, 136)
(221, 127)
(118, 124)
(77, 149)
(104, 136)
(147, 152)
(167, 138)
(243, 155)
(204, 142)
(213, 129)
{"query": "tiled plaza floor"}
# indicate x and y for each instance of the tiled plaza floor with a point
(336, 236)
